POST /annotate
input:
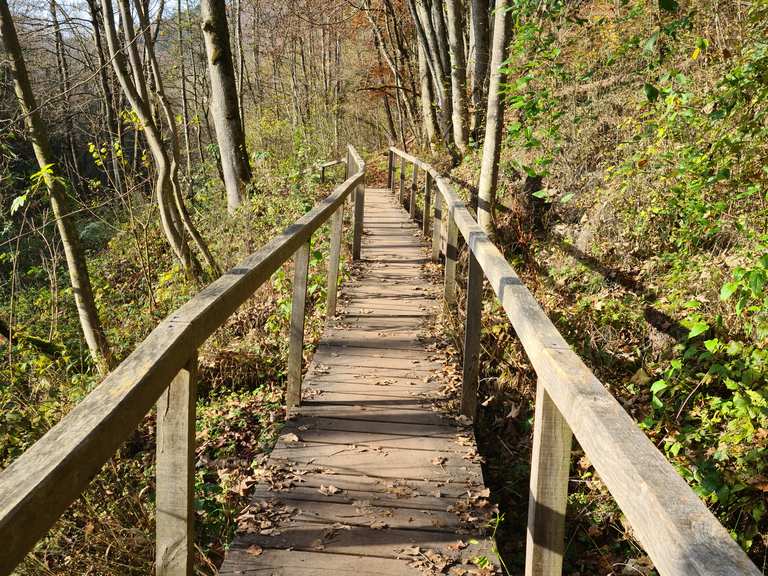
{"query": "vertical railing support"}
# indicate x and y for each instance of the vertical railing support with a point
(437, 225)
(322, 174)
(359, 213)
(472, 326)
(390, 169)
(414, 188)
(550, 462)
(175, 474)
(451, 257)
(426, 217)
(402, 180)
(334, 257)
(298, 309)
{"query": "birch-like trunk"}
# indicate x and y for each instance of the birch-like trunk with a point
(224, 102)
(460, 120)
(481, 36)
(76, 265)
(489, 168)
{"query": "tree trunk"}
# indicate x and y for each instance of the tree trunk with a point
(455, 12)
(427, 97)
(224, 99)
(184, 99)
(481, 35)
(78, 270)
(489, 168)
(169, 215)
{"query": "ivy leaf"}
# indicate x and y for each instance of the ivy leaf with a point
(651, 92)
(669, 5)
(712, 345)
(728, 289)
(697, 329)
(659, 386)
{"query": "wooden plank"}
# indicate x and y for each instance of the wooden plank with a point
(674, 526)
(414, 188)
(451, 259)
(548, 496)
(175, 475)
(38, 486)
(334, 259)
(334, 422)
(401, 195)
(472, 326)
(298, 313)
(426, 217)
(357, 224)
(300, 563)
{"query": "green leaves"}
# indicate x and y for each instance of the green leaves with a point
(697, 329)
(728, 290)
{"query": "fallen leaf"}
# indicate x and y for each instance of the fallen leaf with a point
(254, 550)
(290, 438)
(329, 490)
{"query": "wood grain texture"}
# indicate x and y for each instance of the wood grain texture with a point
(400, 470)
(678, 532)
(39, 485)
(175, 475)
(298, 315)
(548, 496)
(472, 326)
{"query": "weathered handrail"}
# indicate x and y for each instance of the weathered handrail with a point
(39, 485)
(678, 532)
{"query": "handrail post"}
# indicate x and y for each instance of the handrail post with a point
(359, 213)
(401, 195)
(322, 174)
(175, 474)
(334, 256)
(472, 326)
(298, 309)
(451, 257)
(548, 495)
(437, 225)
(414, 188)
(390, 168)
(427, 203)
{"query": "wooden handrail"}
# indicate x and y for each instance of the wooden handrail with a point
(678, 532)
(39, 485)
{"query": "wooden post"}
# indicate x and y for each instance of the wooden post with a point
(472, 326)
(334, 257)
(414, 188)
(390, 169)
(298, 309)
(550, 462)
(357, 230)
(402, 180)
(322, 174)
(451, 256)
(437, 225)
(175, 474)
(427, 203)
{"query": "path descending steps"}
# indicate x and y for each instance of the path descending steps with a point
(368, 479)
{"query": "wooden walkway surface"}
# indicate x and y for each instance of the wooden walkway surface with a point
(369, 478)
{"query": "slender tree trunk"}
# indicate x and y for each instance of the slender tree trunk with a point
(427, 98)
(184, 99)
(78, 270)
(481, 35)
(169, 215)
(225, 109)
(489, 169)
(112, 127)
(455, 12)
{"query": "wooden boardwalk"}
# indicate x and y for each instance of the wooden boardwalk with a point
(368, 478)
